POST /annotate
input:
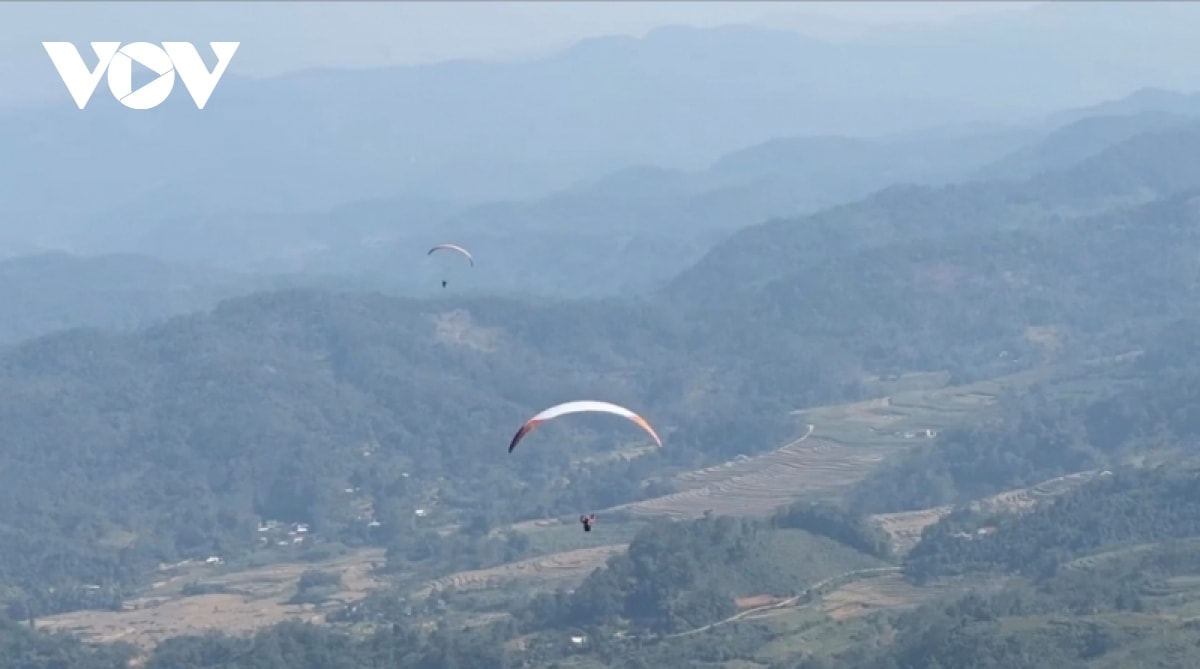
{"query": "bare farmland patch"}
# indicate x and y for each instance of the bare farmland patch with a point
(564, 566)
(905, 527)
(890, 592)
(251, 599)
(457, 327)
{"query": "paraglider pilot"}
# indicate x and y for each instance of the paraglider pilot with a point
(443, 284)
(587, 522)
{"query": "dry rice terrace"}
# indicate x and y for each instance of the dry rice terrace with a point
(840, 446)
(253, 598)
(565, 567)
(889, 592)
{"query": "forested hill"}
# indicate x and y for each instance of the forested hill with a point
(1152, 164)
(53, 291)
(975, 264)
(121, 451)
(1139, 410)
(1078, 141)
(45, 292)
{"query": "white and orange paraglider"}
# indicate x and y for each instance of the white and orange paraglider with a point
(580, 407)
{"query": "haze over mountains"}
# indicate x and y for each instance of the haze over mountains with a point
(913, 309)
(472, 131)
(630, 231)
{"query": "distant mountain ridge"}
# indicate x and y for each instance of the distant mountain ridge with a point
(477, 131)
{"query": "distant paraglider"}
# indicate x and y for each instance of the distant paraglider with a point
(452, 247)
(578, 407)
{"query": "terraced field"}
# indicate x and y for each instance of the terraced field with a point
(1097, 559)
(549, 569)
(840, 446)
(905, 527)
(250, 599)
(823, 625)
(763, 483)
(890, 592)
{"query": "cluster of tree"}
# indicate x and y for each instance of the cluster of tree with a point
(293, 645)
(315, 586)
(288, 645)
(466, 549)
(1162, 410)
(681, 575)
(1092, 610)
(973, 633)
(23, 648)
(1128, 507)
(1132, 580)
(1026, 446)
(304, 646)
(829, 520)
(1140, 406)
(669, 579)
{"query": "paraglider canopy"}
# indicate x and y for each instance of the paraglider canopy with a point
(578, 407)
(453, 247)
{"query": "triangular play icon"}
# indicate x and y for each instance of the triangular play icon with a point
(142, 75)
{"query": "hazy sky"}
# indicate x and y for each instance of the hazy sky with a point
(282, 36)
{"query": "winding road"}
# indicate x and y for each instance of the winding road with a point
(790, 601)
